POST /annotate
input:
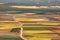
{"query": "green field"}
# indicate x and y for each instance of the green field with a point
(28, 10)
(10, 38)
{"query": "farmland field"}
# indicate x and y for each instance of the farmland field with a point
(9, 38)
(8, 25)
(39, 23)
(39, 36)
(36, 30)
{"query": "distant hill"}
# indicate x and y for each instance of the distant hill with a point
(31, 2)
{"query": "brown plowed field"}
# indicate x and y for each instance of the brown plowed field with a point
(7, 32)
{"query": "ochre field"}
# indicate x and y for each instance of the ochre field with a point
(9, 25)
(33, 30)
(38, 30)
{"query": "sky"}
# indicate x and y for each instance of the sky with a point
(4, 1)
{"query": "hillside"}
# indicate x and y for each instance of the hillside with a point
(31, 2)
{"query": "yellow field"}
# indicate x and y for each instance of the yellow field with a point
(39, 31)
(41, 22)
(23, 19)
(32, 35)
(40, 37)
(9, 25)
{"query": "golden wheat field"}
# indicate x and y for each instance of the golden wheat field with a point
(33, 32)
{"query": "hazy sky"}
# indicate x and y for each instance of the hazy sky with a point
(4, 1)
